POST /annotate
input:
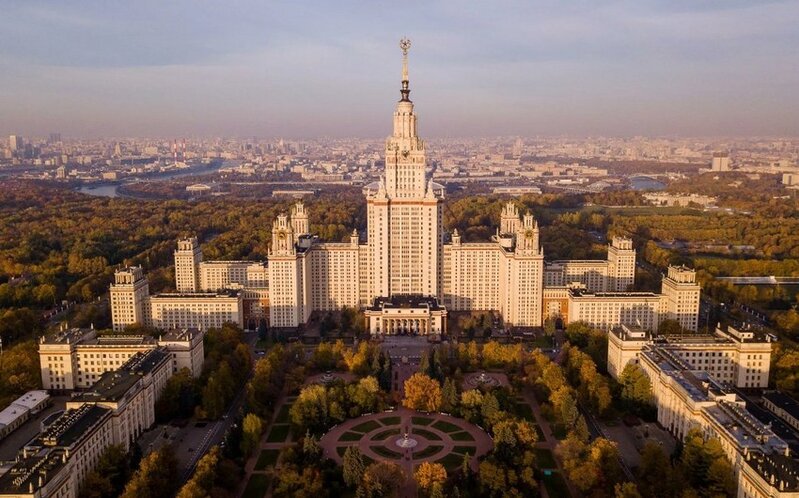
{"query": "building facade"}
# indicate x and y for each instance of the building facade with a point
(77, 358)
(740, 358)
(406, 256)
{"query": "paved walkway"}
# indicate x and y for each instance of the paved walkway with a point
(249, 467)
(550, 442)
(436, 436)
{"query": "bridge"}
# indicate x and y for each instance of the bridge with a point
(769, 280)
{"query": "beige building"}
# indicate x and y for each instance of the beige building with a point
(114, 410)
(733, 357)
(77, 358)
(688, 398)
(55, 463)
(21, 409)
(130, 392)
(406, 256)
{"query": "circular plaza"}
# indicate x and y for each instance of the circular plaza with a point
(408, 438)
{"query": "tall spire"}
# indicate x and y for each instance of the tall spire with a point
(405, 45)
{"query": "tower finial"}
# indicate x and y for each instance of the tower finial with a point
(405, 45)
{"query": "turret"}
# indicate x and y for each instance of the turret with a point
(299, 219)
(282, 237)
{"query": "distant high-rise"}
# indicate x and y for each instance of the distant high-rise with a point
(54, 138)
(721, 162)
(16, 144)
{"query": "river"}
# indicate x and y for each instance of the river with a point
(112, 189)
(645, 183)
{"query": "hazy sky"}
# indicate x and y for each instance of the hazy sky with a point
(311, 68)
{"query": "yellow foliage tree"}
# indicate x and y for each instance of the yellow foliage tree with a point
(422, 393)
(428, 475)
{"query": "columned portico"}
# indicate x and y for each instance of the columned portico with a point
(406, 315)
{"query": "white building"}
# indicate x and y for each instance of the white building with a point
(688, 397)
(21, 409)
(77, 358)
(733, 357)
(405, 257)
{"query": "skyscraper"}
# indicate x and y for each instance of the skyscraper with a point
(16, 144)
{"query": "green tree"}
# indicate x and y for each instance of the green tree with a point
(353, 466)
(449, 396)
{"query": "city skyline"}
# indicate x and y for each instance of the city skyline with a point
(611, 69)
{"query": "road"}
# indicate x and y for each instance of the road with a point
(214, 432)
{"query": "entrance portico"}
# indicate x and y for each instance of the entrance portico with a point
(406, 315)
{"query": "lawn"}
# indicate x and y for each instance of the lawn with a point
(257, 486)
(446, 426)
(544, 459)
(471, 450)
(385, 452)
(283, 414)
(389, 420)
(555, 485)
(267, 458)
(278, 433)
(453, 461)
(461, 436)
(366, 426)
(430, 436)
(421, 420)
(385, 434)
(350, 436)
(525, 411)
(428, 452)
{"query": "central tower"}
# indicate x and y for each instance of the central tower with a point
(404, 210)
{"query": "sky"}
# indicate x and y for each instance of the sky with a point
(307, 68)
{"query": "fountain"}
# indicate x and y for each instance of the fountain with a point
(406, 442)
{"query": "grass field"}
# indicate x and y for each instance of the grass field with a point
(421, 420)
(452, 461)
(385, 452)
(278, 433)
(430, 436)
(367, 426)
(350, 436)
(471, 450)
(544, 459)
(389, 420)
(283, 414)
(257, 486)
(461, 436)
(446, 426)
(385, 434)
(267, 458)
(555, 485)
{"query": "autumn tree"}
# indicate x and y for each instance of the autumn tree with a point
(422, 393)
(381, 479)
(252, 427)
(430, 477)
(155, 477)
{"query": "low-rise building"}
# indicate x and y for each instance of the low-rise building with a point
(783, 406)
(21, 409)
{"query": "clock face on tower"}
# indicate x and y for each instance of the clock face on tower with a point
(528, 234)
(281, 235)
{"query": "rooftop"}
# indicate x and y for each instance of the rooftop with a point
(783, 470)
(783, 401)
(406, 301)
(195, 295)
(71, 426)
